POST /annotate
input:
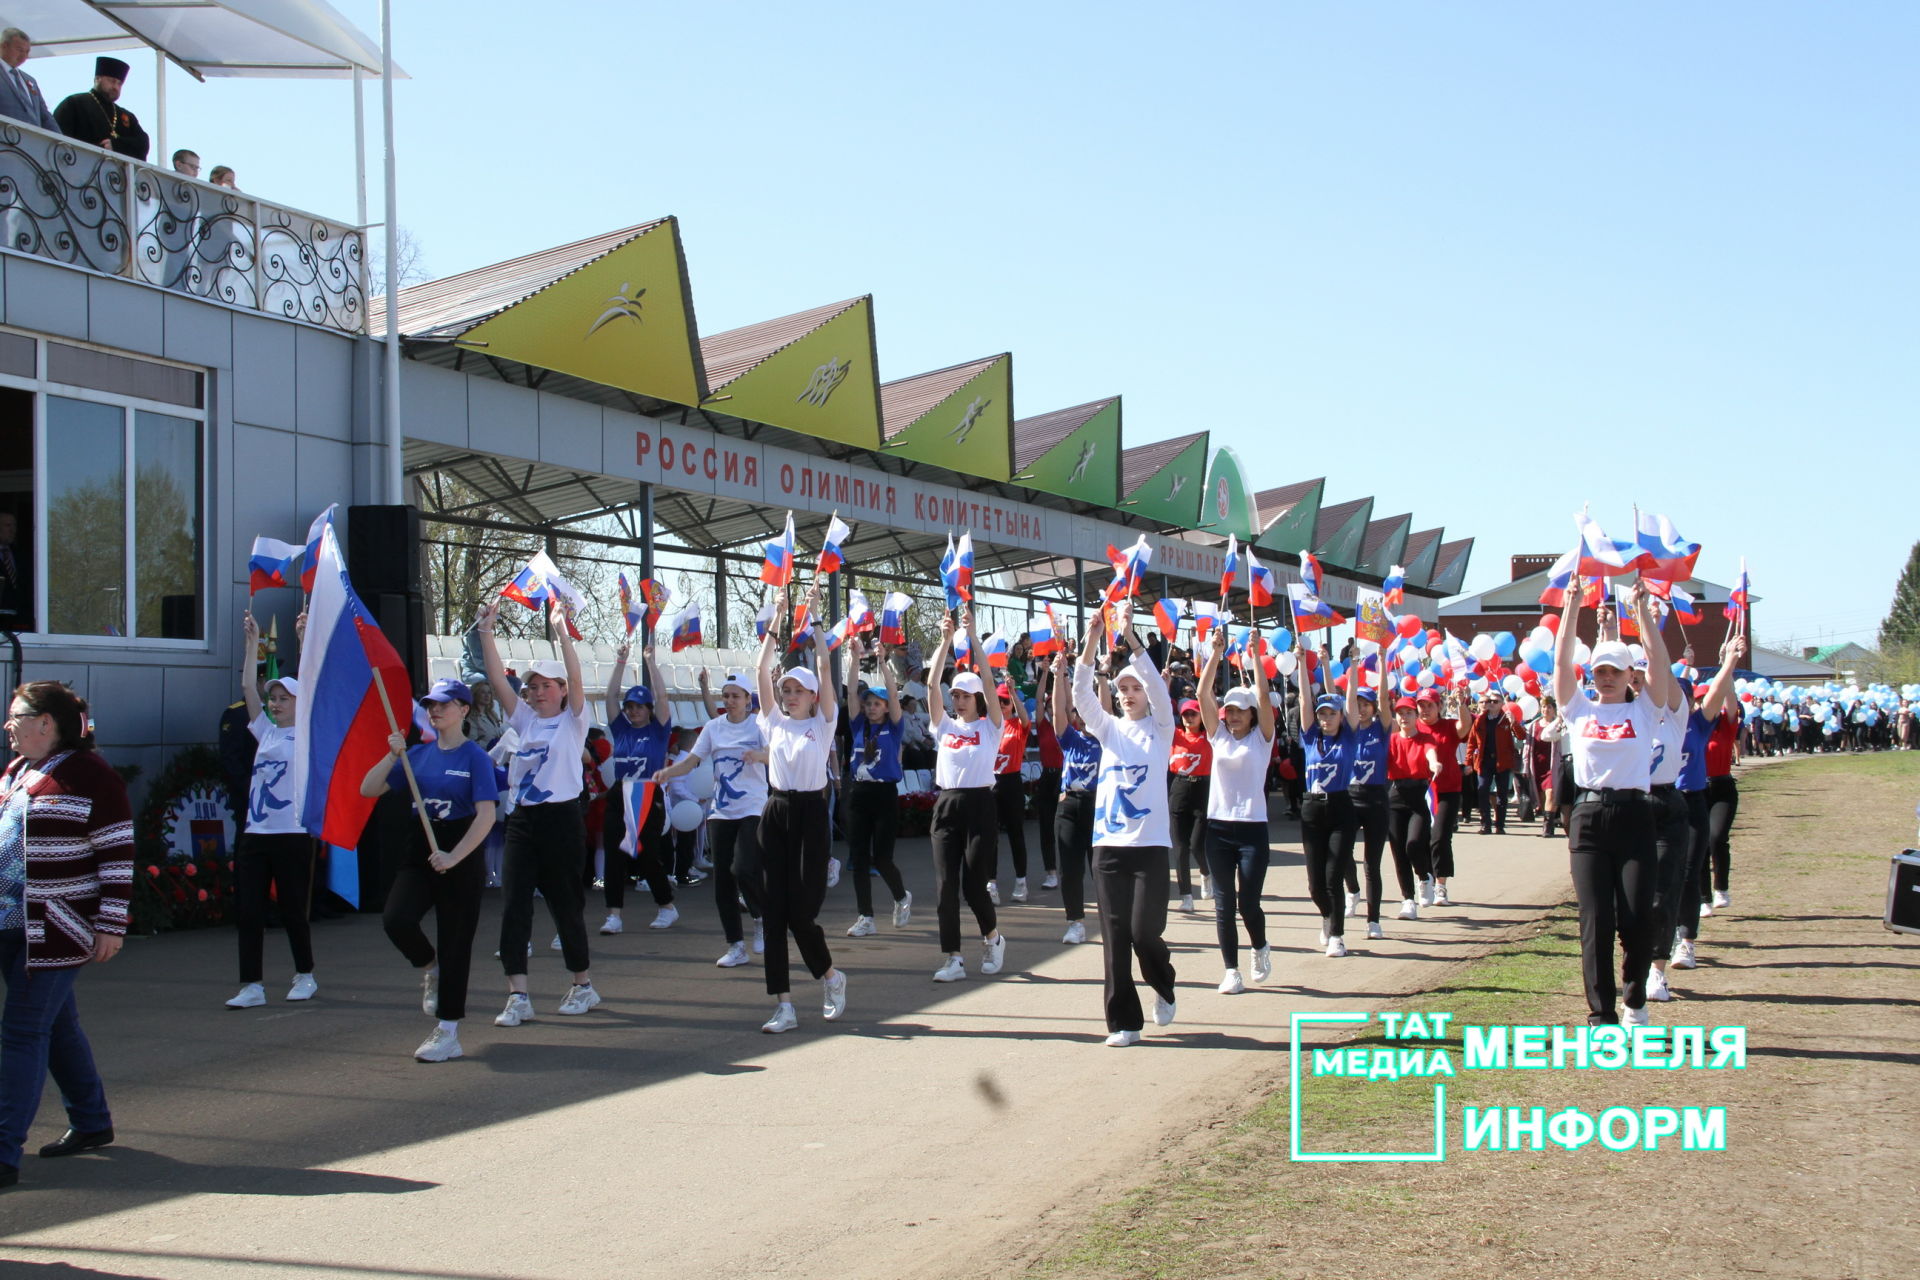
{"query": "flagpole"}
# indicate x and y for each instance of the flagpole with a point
(406, 765)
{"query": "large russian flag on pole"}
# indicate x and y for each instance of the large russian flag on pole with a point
(342, 728)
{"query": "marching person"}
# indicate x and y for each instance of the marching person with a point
(641, 731)
(1073, 819)
(1447, 736)
(1328, 821)
(1493, 745)
(458, 797)
(275, 853)
(1239, 745)
(735, 743)
(1189, 782)
(1413, 762)
(1010, 791)
(797, 715)
(1369, 788)
(547, 828)
(1546, 748)
(66, 871)
(873, 799)
(1130, 829)
(1046, 788)
(962, 828)
(1710, 699)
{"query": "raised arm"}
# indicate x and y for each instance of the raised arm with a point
(1661, 685)
(1566, 681)
(1091, 706)
(1060, 698)
(249, 660)
(1158, 699)
(763, 673)
(662, 708)
(1263, 712)
(576, 694)
(1721, 688)
(490, 657)
(707, 700)
(973, 647)
(614, 679)
(1209, 672)
(936, 668)
(855, 653)
(1304, 683)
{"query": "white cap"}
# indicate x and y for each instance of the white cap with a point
(1611, 653)
(736, 680)
(1242, 697)
(969, 682)
(803, 677)
(551, 668)
(290, 683)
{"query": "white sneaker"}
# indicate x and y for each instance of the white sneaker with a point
(993, 953)
(1683, 955)
(833, 872)
(735, 957)
(1052, 881)
(430, 993)
(303, 987)
(579, 1000)
(783, 1019)
(554, 945)
(1636, 1017)
(1262, 963)
(1440, 896)
(862, 928)
(1020, 889)
(251, 996)
(613, 923)
(668, 914)
(519, 1009)
(1353, 904)
(1076, 932)
(1721, 898)
(834, 996)
(1164, 1011)
(1336, 947)
(1186, 903)
(1375, 931)
(1323, 935)
(903, 911)
(1121, 1039)
(952, 971)
(993, 892)
(440, 1045)
(1657, 986)
(1409, 910)
(1206, 888)
(1427, 887)
(1231, 985)
(1706, 909)
(759, 938)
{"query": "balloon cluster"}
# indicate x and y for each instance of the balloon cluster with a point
(1830, 705)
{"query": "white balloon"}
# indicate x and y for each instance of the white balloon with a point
(1581, 654)
(1514, 686)
(1529, 705)
(1286, 662)
(1425, 678)
(1483, 647)
(686, 815)
(1542, 638)
(700, 780)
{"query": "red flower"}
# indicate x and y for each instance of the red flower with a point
(153, 871)
(192, 870)
(203, 895)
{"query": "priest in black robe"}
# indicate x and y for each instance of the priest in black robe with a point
(97, 117)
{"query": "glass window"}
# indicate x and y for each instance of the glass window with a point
(16, 508)
(122, 375)
(86, 518)
(166, 526)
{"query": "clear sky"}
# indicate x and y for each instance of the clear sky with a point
(1484, 261)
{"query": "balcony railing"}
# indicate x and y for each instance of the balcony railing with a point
(74, 203)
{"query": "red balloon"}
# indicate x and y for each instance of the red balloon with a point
(1409, 686)
(1551, 621)
(1409, 626)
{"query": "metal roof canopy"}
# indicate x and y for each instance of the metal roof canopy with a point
(280, 39)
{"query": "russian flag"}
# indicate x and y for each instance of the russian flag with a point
(1166, 616)
(1259, 582)
(1395, 586)
(859, 612)
(962, 650)
(831, 558)
(628, 609)
(1560, 580)
(686, 628)
(1601, 556)
(656, 594)
(778, 569)
(1737, 599)
(1310, 576)
(1684, 607)
(998, 647)
(311, 562)
(893, 617)
(837, 633)
(636, 798)
(342, 729)
(1042, 636)
(1310, 612)
(1665, 554)
(762, 620)
(963, 566)
(802, 626)
(1206, 616)
(271, 562)
(1230, 568)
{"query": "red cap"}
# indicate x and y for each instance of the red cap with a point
(1005, 691)
(1428, 695)
(1404, 704)
(1189, 705)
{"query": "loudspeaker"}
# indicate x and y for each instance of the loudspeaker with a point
(383, 549)
(1903, 893)
(403, 620)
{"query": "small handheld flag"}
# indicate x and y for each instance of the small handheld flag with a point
(1737, 599)
(962, 650)
(1374, 622)
(1041, 635)
(762, 620)
(1560, 580)
(778, 569)
(1259, 582)
(656, 595)
(629, 609)
(310, 562)
(272, 560)
(1310, 612)
(1206, 616)
(1229, 568)
(1664, 553)
(963, 566)
(950, 574)
(831, 557)
(859, 613)
(686, 628)
(1310, 576)
(893, 617)
(998, 648)
(636, 799)
(1684, 607)
(1601, 556)
(1166, 616)
(1394, 588)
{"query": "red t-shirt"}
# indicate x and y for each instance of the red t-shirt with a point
(1192, 754)
(1720, 745)
(1051, 757)
(1445, 736)
(1013, 746)
(1407, 757)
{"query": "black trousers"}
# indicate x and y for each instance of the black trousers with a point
(1723, 804)
(1370, 808)
(733, 846)
(1672, 840)
(1409, 830)
(1688, 922)
(1445, 823)
(1237, 858)
(543, 852)
(650, 863)
(965, 850)
(1327, 827)
(1010, 803)
(285, 862)
(873, 820)
(1073, 833)
(1495, 790)
(454, 898)
(795, 836)
(1187, 802)
(1046, 802)
(1130, 885)
(1610, 847)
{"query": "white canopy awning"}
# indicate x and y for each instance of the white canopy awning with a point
(278, 39)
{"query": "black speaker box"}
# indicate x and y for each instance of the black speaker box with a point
(383, 550)
(403, 620)
(1903, 893)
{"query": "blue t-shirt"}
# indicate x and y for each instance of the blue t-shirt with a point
(639, 751)
(1329, 760)
(451, 782)
(883, 740)
(1081, 755)
(1693, 753)
(1369, 756)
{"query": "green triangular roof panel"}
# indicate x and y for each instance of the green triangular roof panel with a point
(1162, 480)
(1074, 453)
(1340, 530)
(1421, 551)
(1383, 544)
(1450, 566)
(960, 418)
(1289, 514)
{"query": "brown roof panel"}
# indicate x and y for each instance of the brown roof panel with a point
(1418, 542)
(1274, 503)
(1380, 532)
(1331, 518)
(1034, 436)
(1142, 462)
(908, 400)
(736, 352)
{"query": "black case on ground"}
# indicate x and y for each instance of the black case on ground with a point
(1903, 892)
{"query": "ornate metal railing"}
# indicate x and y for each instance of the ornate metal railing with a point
(75, 203)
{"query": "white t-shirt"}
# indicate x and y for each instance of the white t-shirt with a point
(1130, 800)
(1239, 790)
(547, 767)
(799, 750)
(1611, 743)
(968, 751)
(1669, 746)
(270, 807)
(739, 786)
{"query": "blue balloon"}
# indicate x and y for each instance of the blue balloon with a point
(1541, 660)
(1337, 670)
(1280, 638)
(1503, 644)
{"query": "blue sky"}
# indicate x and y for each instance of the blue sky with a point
(1482, 261)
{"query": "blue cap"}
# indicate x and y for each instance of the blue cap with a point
(449, 690)
(1368, 692)
(638, 693)
(1326, 700)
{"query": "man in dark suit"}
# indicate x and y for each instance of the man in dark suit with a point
(20, 95)
(96, 116)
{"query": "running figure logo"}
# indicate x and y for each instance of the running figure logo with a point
(1124, 811)
(536, 756)
(969, 420)
(1087, 451)
(1173, 490)
(624, 303)
(825, 381)
(271, 775)
(726, 771)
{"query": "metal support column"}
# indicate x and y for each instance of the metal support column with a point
(833, 616)
(1080, 597)
(646, 543)
(720, 633)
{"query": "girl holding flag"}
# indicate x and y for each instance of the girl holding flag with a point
(1368, 785)
(1327, 818)
(641, 730)
(1448, 737)
(964, 826)
(547, 828)
(1073, 819)
(1189, 783)
(1413, 762)
(736, 744)
(1240, 734)
(1010, 790)
(873, 799)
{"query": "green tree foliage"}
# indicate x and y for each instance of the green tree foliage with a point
(1901, 629)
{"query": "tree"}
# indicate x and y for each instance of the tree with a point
(1901, 629)
(409, 260)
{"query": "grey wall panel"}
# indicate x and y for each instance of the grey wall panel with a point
(260, 495)
(433, 402)
(263, 372)
(46, 297)
(502, 419)
(570, 432)
(323, 474)
(197, 332)
(192, 699)
(125, 316)
(123, 703)
(323, 373)
(75, 675)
